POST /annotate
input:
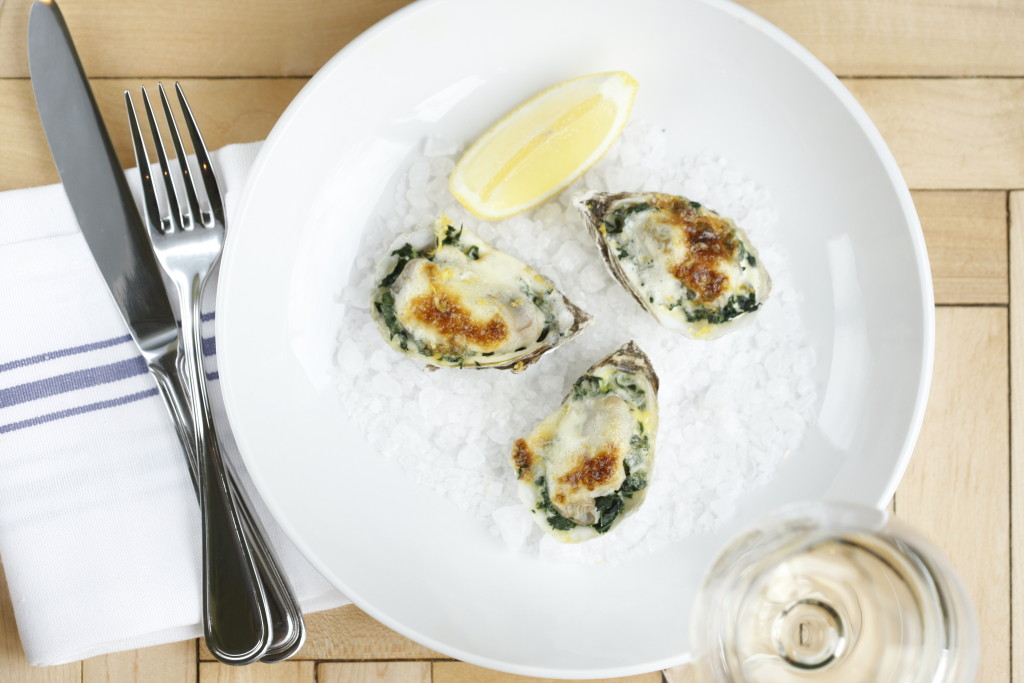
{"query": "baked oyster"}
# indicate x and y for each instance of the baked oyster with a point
(587, 465)
(696, 272)
(449, 299)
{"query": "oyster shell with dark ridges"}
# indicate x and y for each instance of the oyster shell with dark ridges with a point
(587, 465)
(449, 299)
(696, 272)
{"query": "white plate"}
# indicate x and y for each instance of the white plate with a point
(728, 82)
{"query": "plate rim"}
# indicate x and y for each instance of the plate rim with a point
(894, 176)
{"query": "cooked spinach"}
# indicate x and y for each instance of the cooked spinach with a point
(405, 253)
(616, 220)
(608, 509)
(554, 517)
(561, 523)
(386, 308)
(704, 313)
(611, 506)
(588, 385)
(745, 255)
(624, 385)
(737, 305)
(473, 252)
(452, 237)
(635, 481)
(639, 447)
(627, 385)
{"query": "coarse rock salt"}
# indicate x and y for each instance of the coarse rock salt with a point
(730, 409)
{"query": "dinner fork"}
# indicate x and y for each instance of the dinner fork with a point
(249, 610)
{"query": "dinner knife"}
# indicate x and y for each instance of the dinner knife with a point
(236, 609)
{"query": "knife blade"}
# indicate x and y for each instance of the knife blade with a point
(236, 617)
(91, 174)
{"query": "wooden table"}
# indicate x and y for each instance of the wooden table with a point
(944, 82)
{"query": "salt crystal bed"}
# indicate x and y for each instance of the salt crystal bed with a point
(730, 409)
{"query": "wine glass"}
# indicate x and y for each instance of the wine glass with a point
(833, 592)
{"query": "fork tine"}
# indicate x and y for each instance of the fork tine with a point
(179, 150)
(142, 159)
(177, 220)
(205, 165)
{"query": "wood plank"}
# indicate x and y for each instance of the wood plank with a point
(955, 489)
(231, 110)
(269, 38)
(374, 672)
(279, 672)
(13, 666)
(1017, 426)
(965, 230)
(945, 134)
(349, 633)
(966, 237)
(905, 38)
(460, 672)
(950, 133)
(171, 663)
(198, 38)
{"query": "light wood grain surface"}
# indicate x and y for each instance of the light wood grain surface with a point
(943, 82)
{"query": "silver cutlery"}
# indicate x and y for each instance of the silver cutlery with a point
(236, 614)
(188, 242)
(237, 625)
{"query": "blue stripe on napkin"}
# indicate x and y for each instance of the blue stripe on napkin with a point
(70, 381)
(61, 353)
(78, 410)
(93, 376)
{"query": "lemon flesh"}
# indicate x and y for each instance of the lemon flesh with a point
(543, 145)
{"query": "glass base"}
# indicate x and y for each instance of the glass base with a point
(833, 593)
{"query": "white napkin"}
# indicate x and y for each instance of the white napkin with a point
(99, 526)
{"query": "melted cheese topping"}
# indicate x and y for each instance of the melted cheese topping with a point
(584, 461)
(523, 458)
(441, 310)
(458, 304)
(694, 247)
(579, 451)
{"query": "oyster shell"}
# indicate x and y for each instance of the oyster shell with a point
(696, 272)
(587, 465)
(449, 299)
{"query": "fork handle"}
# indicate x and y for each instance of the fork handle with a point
(288, 629)
(236, 613)
(235, 605)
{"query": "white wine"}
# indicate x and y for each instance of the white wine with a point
(833, 595)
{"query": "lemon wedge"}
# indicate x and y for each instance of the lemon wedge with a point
(543, 145)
